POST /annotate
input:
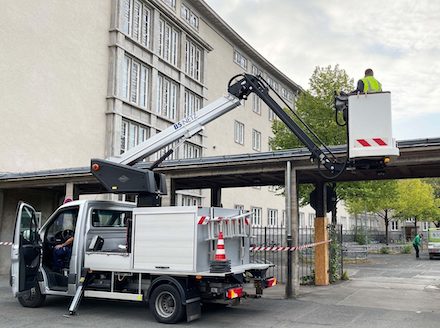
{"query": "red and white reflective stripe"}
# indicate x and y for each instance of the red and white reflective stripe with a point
(203, 220)
(372, 142)
(285, 248)
(5, 243)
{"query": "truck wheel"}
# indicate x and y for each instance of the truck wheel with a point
(166, 304)
(32, 298)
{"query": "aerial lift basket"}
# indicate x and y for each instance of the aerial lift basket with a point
(369, 126)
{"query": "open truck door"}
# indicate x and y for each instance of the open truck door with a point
(26, 257)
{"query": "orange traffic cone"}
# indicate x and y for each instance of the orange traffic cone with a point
(220, 254)
(220, 263)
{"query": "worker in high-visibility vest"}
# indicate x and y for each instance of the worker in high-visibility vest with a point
(368, 84)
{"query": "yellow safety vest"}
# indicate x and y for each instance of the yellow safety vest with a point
(371, 84)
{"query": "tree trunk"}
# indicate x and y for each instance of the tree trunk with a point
(387, 221)
(415, 226)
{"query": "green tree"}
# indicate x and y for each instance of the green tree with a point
(416, 200)
(315, 108)
(378, 197)
(435, 184)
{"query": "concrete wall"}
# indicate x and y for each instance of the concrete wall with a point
(54, 68)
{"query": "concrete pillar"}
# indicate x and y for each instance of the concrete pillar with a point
(69, 191)
(292, 229)
(170, 198)
(321, 234)
(216, 197)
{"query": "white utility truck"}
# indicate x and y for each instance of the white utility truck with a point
(165, 256)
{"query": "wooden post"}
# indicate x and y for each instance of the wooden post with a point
(321, 234)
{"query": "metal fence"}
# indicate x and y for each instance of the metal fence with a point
(270, 236)
(276, 236)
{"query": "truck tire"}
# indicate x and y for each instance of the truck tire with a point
(166, 304)
(32, 298)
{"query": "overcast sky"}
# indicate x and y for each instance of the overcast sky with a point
(399, 40)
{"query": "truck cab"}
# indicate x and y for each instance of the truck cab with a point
(32, 253)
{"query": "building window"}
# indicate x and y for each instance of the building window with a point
(239, 132)
(272, 217)
(256, 140)
(161, 152)
(168, 42)
(190, 201)
(256, 216)
(189, 16)
(344, 221)
(192, 103)
(170, 3)
(394, 225)
(240, 60)
(256, 71)
(193, 60)
(191, 151)
(137, 21)
(132, 134)
(271, 114)
(256, 104)
(239, 207)
(302, 219)
(272, 188)
(166, 97)
(135, 82)
(425, 226)
(311, 220)
(283, 220)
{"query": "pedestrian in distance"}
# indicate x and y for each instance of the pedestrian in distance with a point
(417, 242)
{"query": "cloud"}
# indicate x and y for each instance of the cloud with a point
(400, 40)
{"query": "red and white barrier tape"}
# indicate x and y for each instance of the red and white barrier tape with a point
(5, 243)
(285, 248)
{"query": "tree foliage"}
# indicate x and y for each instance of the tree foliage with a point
(370, 196)
(416, 200)
(315, 107)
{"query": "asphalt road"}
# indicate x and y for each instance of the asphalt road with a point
(388, 291)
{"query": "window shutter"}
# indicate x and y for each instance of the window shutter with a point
(134, 82)
(136, 19)
(146, 28)
(126, 16)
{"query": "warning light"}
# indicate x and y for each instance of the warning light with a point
(199, 277)
(386, 160)
(95, 167)
(234, 293)
(271, 282)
